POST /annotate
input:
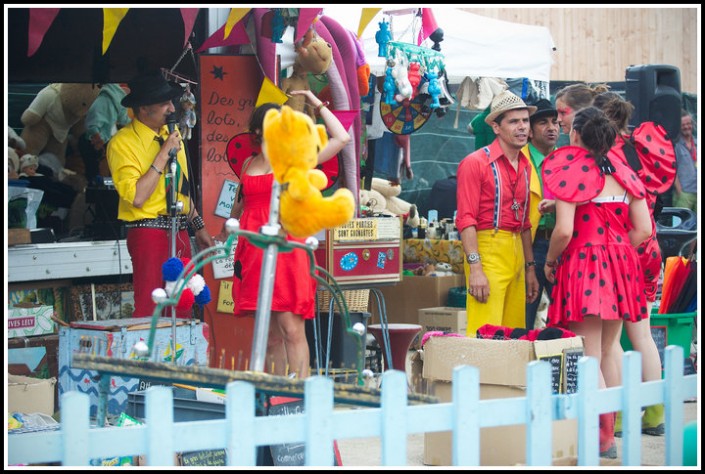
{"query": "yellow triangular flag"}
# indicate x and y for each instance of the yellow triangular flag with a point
(235, 15)
(111, 20)
(367, 15)
(270, 93)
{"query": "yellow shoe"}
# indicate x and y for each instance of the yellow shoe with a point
(652, 422)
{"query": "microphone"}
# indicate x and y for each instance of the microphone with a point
(171, 121)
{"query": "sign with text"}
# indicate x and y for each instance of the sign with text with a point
(225, 297)
(227, 92)
(223, 267)
(226, 199)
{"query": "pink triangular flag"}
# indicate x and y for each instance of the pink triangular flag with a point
(237, 36)
(428, 25)
(189, 17)
(346, 117)
(40, 19)
(306, 17)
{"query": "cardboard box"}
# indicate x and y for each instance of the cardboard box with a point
(443, 318)
(31, 320)
(18, 237)
(404, 299)
(502, 367)
(30, 395)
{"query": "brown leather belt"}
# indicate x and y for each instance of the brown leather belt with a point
(160, 222)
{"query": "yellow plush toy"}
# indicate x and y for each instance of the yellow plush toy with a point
(291, 143)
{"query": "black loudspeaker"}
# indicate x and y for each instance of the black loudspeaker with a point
(655, 92)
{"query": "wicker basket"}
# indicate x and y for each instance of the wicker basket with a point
(357, 300)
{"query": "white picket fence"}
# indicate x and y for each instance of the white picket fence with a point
(240, 433)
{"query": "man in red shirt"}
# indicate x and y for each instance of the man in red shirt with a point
(493, 220)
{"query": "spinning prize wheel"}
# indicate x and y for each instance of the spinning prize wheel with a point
(407, 116)
(242, 146)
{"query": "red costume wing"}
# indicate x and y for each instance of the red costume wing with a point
(570, 173)
(657, 156)
(628, 179)
(241, 147)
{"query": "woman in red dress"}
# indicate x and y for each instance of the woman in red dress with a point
(601, 217)
(293, 298)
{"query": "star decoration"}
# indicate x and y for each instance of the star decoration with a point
(218, 73)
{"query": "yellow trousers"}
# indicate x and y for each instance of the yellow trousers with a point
(503, 263)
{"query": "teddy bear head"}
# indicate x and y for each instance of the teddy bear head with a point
(76, 99)
(314, 55)
(291, 141)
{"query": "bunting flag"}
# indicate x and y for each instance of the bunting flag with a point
(40, 19)
(346, 117)
(306, 18)
(428, 25)
(367, 15)
(237, 36)
(235, 15)
(269, 92)
(188, 15)
(111, 20)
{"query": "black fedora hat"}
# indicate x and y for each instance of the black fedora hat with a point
(150, 88)
(544, 108)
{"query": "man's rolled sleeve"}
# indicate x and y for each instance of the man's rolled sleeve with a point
(468, 194)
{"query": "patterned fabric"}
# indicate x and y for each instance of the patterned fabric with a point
(435, 250)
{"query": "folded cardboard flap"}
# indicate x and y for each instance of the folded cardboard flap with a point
(500, 362)
(30, 395)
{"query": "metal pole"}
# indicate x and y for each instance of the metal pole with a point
(266, 284)
(175, 208)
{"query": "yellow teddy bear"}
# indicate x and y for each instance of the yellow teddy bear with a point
(291, 144)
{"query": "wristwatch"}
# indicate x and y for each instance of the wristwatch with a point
(473, 257)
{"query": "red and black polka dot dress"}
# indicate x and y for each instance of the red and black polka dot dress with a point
(657, 171)
(599, 272)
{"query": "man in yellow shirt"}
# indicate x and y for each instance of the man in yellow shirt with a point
(138, 157)
(543, 135)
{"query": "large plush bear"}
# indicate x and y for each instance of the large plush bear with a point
(291, 143)
(51, 115)
(313, 56)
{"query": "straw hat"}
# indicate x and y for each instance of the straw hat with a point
(503, 102)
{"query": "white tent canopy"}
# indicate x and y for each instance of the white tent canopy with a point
(473, 45)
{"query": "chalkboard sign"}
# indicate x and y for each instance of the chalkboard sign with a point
(209, 457)
(570, 379)
(291, 454)
(556, 362)
(660, 335)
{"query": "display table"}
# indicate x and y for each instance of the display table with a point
(435, 250)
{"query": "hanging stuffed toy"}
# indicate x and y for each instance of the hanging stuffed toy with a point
(434, 89)
(188, 114)
(382, 37)
(291, 143)
(400, 72)
(389, 86)
(196, 290)
(414, 77)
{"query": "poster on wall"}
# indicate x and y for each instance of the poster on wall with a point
(229, 86)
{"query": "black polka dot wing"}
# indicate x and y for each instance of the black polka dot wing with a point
(571, 175)
(657, 156)
(241, 147)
